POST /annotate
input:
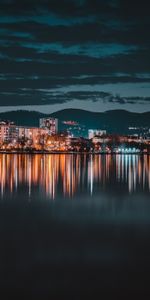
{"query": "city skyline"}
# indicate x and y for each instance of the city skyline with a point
(87, 54)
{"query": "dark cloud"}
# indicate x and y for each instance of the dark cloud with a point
(63, 7)
(47, 44)
(37, 97)
(94, 32)
(118, 9)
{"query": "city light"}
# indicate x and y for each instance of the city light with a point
(47, 138)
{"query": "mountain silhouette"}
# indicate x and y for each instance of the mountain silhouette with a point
(114, 121)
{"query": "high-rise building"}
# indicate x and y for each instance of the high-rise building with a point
(7, 131)
(49, 123)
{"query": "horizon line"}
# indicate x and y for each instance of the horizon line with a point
(26, 109)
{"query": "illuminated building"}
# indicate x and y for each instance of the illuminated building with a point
(7, 131)
(32, 134)
(100, 139)
(57, 142)
(49, 123)
(71, 123)
(95, 132)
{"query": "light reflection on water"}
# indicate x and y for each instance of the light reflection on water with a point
(68, 175)
(91, 236)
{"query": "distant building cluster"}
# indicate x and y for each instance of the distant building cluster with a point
(96, 132)
(11, 133)
(47, 138)
(74, 128)
(139, 131)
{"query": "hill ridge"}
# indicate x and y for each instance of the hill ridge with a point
(114, 121)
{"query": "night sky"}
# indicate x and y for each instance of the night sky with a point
(90, 54)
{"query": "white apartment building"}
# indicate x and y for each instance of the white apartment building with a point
(96, 132)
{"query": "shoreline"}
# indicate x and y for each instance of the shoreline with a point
(63, 152)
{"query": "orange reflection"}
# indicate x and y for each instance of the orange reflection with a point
(55, 173)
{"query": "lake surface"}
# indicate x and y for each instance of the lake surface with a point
(74, 225)
(56, 176)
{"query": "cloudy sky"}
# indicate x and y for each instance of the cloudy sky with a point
(89, 54)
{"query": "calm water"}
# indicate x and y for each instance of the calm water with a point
(74, 224)
(116, 184)
(69, 176)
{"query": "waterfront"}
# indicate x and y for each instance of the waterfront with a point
(74, 223)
